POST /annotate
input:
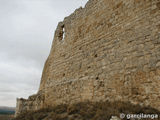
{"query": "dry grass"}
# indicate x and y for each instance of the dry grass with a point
(87, 111)
(6, 117)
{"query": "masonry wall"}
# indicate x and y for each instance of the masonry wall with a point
(109, 50)
(34, 102)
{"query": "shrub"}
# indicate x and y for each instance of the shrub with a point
(87, 111)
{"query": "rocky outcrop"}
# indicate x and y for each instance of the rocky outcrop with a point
(109, 50)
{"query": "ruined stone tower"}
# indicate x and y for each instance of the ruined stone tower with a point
(109, 50)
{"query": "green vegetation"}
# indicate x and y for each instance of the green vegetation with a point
(6, 112)
(87, 111)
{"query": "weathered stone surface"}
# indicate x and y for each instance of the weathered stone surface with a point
(34, 102)
(110, 51)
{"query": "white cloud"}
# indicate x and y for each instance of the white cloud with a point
(26, 32)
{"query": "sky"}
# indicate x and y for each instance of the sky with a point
(26, 33)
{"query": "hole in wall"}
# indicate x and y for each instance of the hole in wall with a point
(80, 48)
(95, 55)
(63, 31)
(86, 74)
(64, 74)
(97, 78)
(89, 67)
(61, 35)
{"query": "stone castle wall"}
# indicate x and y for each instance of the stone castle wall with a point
(34, 102)
(109, 50)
